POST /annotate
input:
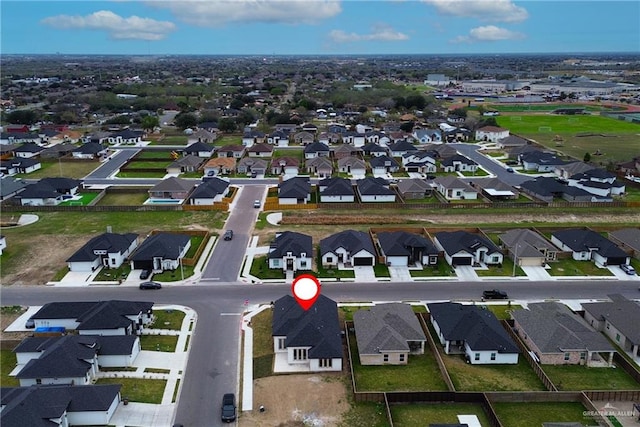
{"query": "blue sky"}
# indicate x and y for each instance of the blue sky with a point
(266, 27)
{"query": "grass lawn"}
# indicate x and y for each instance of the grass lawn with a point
(8, 362)
(137, 390)
(60, 274)
(148, 164)
(153, 154)
(55, 168)
(332, 273)
(566, 124)
(262, 344)
(571, 267)
(196, 241)
(164, 343)
(420, 373)
(141, 174)
(441, 269)
(174, 275)
(85, 199)
(502, 311)
(345, 312)
(535, 413)
(260, 269)
(111, 274)
(479, 172)
(505, 270)
(124, 199)
(576, 377)
(365, 414)
(420, 414)
(381, 270)
(168, 319)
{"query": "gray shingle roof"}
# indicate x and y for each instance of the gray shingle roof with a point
(373, 187)
(580, 240)
(351, 240)
(63, 358)
(296, 188)
(622, 313)
(337, 187)
(109, 242)
(386, 327)
(210, 188)
(627, 236)
(555, 329)
(402, 243)
(172, 184)
(165, 245)
(290, 241)
(456, 241)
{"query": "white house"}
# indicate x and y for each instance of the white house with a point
(464, 248)
(491, 133)
(291, 251)
(347, 248)
(108, 249)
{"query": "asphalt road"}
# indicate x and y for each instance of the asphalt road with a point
(471, 151)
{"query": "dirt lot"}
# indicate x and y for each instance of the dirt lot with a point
(302, 400)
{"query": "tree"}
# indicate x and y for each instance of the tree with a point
(459, 112)
(587, 157)
(407, 127)
(149, 122)
(227, 125)
(185, 120)
(22, 117)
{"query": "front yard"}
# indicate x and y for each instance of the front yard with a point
(571, 267)
(136, 390)
(165, 343)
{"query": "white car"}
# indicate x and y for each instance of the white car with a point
(628, 269)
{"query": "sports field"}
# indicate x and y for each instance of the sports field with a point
(566, 125)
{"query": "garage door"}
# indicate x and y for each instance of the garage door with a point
(458, 260)
(362, 261)
(616, 260)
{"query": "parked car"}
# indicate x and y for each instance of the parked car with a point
(229, 407)
(257, 204)
(150, 285)
(510, 170)
(30, 323)
(494, 294)
(628, 269)
(228, 235)
(144, 274)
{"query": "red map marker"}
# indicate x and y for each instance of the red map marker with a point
(306, 290)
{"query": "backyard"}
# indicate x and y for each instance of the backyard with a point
(535, 413)
(67, 169)
(136, 390)
(577, 377)
(419, 414)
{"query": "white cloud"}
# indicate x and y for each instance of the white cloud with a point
(216, 13)
(488, 33)
(379, 32)
(484, 10)
(133, 27)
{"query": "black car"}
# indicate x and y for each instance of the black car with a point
(144, 274)
(150, 285)
(228, 235)
(494, 294)
(229, 407)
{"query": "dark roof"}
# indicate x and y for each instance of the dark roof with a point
(555, 329)
(382, 161)
(402, 146)
(336, 187)
(317, 327)
(290, 241)
(544, 186)
(402, 243)
(476, 326)
(90, 148)
(622, 313)
(198, 147)
(82, 311)
(541, 158)
(457, 158)
(373, 186)
(39, 191)
(351, 240)
(210, 188)
(65, 357)
(456, 241)
(297, 187)
(29, 147)
(127, 134)
(109, 242)
(316, 147)
(61, 184)
(105, 344)
(581, 240)
(386, 327)
(595, 173)
(10, 185)
(372, 147)
(165, 245)
(36, 405)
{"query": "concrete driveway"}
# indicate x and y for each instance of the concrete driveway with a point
(466, 273)
(536, 272)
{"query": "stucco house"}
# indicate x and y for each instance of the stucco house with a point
(296, 190)
(558, 336)
(322, 167)
(291, 251)
(491, 133)
(528, 248)
(333, 190)
(287, 166)
(458, 163)
(108, 250)
(453, 188)
(212, 190)
(585, 244)
(386, 334)
(200, 149)
(347, 248)
(171, 188)
(161, 251)
(374, 190)
(473, 331)
(402, 249)
(307, 340)
(219, 166)
(352, 165)
(464, 248)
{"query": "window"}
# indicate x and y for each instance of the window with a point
(38, 380)
(401, 357)
(476, 356)
(303, 264)
(495, 259)
(385, 357)
(493, 356)
(281, 344)
(299, 354)
(113, 261)
(583, 355)
(618, 337)
(329, 259)
(567, 356)
(326, 363)
(608, 325)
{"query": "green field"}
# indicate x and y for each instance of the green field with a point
(566, 125)
(55, 168)
(545, 107)
(85, 199)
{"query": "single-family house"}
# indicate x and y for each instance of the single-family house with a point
(598, 182)
(322, 167)
(260, 150)
(212, 190)
(287, 128)
(173, 188)
(631, 167)
(235, 151)
(540, 161)
(465, 248)
(512, 141)
(473, 331)
(252, 165)
(110, 317)
(278, 138)
(161, 251)
(352, 165)
(19, 165)
(252, 137)
(28, 150)
(374, 150)
(89, 151)
(377, 138)
(347, 248)
(585, 244)
(495, 189)
(293, 191)
(568, 169)
(329, 138)
(59, 405)
(303, 138)
(126, 136)
(558, 336)
(19, 138)
(400, 148)
(428, 136)
(402, 249)
(57, 151)
(345, 150)
(374, 190)
(458, 163)
(49, 191)
(202, 135)
(309, 127)
(291, 251)
(355, 139)
(383, 164)
(199, 149)
(108, 250)
(528, 248)
(453, 188)
(491, 133)
(617, 319)
(336, 189)
(386, 334)
(419, 161)
(10, 187)
(219, 166)
(414, 188)
(627, 239)
(308, 339)
(189, 163)
(316, 149)
(285, 166)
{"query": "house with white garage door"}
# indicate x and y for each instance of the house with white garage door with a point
(402, 249)
(465, 248)
(347, 248)
(108, 249)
